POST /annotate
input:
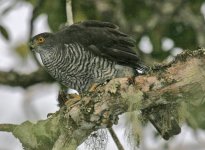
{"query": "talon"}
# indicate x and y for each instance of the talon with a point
(93, 87)
(72, 99)
(68, 99)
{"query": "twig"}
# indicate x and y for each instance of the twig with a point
(69, 12)
(34, 15)
(24, 80)
(115, 138)
(7, 127)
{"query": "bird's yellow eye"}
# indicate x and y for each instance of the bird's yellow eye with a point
(40, 40)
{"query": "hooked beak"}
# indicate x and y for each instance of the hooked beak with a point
(31, 46)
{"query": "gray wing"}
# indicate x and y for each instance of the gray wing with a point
(104, 39)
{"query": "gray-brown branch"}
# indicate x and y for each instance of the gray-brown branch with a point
(165, 90)
(24, 80)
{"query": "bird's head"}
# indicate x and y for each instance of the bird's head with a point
(42, 43)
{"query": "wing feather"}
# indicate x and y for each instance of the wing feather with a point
(103, 39)
(94, 23)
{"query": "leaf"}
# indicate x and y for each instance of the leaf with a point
(4, 32)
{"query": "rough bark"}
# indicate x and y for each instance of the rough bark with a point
(166, 89)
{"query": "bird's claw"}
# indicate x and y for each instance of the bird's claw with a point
(72, 99)
(93, 87)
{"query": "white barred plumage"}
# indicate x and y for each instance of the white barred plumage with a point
(78, 68)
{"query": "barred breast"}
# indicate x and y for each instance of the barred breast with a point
(78, 68)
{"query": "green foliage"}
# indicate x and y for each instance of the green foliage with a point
(84, 10)
(56, 11)
(136, 10)
(195, 5)
(183, 35)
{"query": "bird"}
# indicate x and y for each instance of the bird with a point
(87, 53)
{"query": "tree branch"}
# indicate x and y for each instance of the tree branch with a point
(166, 87)
(115, 138)
(7, 127)
(24, 80)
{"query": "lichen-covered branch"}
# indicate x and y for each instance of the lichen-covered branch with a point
(7, 127)
(24, 80)
(163, 92)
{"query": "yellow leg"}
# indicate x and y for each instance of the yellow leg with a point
(93, 87)
(72, 99)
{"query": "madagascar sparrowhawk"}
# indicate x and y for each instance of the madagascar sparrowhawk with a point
(92, 52)
(86, 53)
